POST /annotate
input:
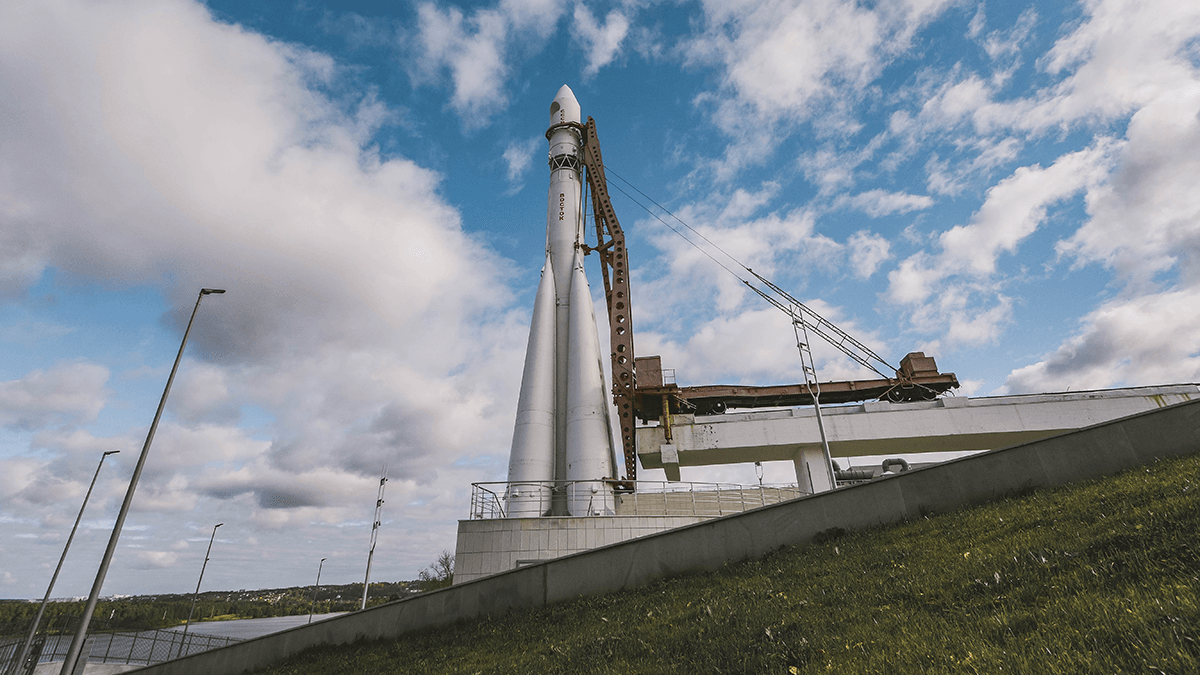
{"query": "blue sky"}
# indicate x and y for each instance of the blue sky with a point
(1009, 187)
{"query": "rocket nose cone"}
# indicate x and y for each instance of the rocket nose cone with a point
(565, 107)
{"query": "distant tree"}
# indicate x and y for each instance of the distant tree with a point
(438, 575)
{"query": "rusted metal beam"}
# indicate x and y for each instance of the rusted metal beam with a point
(917, 380)
(614, 268)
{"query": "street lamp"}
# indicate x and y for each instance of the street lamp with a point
(315, 589)
(81, 633)
(374, 534)
(197, 593)
(38, 617)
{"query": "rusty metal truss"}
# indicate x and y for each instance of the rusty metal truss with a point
(614, 267)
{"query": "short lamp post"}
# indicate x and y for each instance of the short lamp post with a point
(196, 595)
(68, 667)
(37, 619)
(315, 590)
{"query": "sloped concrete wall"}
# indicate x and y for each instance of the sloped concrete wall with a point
(1079, 455)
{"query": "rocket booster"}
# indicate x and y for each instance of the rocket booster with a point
(562, 437)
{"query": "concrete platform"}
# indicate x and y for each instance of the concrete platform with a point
(492, 545)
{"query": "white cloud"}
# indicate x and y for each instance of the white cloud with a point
(1127, 54)
(1147, 340)
(876, 203)
(16, 474)
(158, 558)
(978, 21)
(30, 333)
(957, 289)
(73, 441)
(1119, 58)
(867, 252)
(71, 393)
(203, 394)
(519, 157)
(832, 168)
(754, 346)
(1017, 205)
(1146, 220)
(683, 273)
(783, 58)
(947, 177)
(1008, 43)
(478, 49)
(148, 145)
(804, 60)
(1145, 224)
(1012, 210)
(978, 325)
(600, 42)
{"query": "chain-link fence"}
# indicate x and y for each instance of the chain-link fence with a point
(140, 647)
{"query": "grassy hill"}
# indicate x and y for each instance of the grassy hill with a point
(1100, 577)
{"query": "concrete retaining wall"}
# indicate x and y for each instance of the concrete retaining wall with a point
(486, 547)
(1079, 455)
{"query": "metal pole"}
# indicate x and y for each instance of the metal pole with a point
(37, 619)
(315, 589)
(81, 634)
(374, 534)
(814, 389)
(195, 595)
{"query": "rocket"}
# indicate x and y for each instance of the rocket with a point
(562, 449)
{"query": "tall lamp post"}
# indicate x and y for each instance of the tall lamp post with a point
(374, 534)
(37, 619)
(68, 667)
(315, 589)
(195, 595)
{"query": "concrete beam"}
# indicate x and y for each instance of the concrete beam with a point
(882, 428)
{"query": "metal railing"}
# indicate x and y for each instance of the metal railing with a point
(489, 500)
(140, 647)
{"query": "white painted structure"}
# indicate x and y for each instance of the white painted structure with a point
(883, 428)
(562, 431)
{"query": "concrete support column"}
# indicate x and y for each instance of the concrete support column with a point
(670, 461)
(811, 473)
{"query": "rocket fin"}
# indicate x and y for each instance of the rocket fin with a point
(531, 462)
(589, 434)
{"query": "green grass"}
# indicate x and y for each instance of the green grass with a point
(1093, 578)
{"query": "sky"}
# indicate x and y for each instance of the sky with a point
(1009, 187)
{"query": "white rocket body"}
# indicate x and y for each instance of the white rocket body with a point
(581, 454)
(531, 463)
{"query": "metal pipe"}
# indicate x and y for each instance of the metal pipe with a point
(68, 667)
(196, 595)
(37, 619)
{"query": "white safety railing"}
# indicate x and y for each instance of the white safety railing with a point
(631, 498)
